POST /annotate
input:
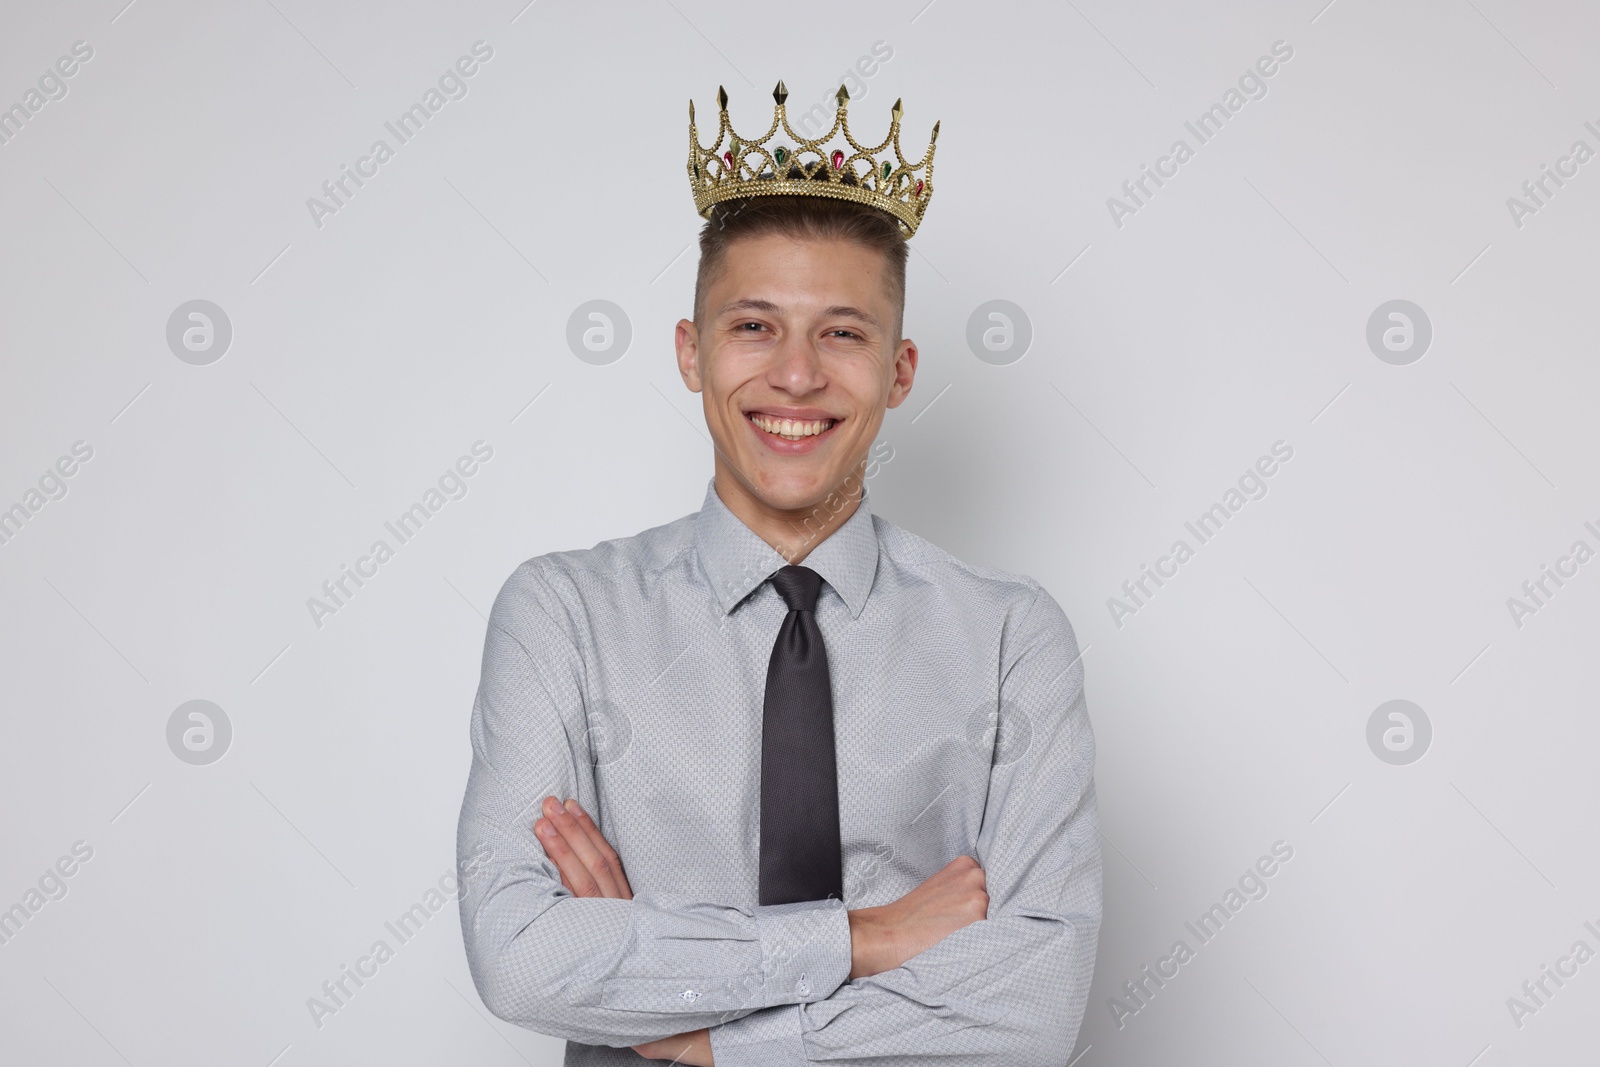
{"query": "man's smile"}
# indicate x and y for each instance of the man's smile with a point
(789, 426)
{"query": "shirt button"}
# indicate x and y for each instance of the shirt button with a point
(690, 995)
(802, 987)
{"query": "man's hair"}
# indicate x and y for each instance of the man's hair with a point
(812, 217)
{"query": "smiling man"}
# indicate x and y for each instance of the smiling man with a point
(780, 782)
(796, 351)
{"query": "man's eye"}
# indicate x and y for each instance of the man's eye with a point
(844, 333)
(750, 326)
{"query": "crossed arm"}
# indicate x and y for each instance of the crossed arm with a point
(913, 981)
(881, 938)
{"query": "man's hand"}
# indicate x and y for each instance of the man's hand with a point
(885, 937)
(589, 865)
(881, 938)
(693, 1047)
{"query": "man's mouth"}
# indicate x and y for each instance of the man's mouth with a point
(790, 429)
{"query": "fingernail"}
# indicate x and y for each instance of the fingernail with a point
(572, 805)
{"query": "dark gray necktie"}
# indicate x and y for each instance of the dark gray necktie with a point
(800, 857)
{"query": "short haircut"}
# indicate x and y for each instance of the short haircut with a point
(813, 217)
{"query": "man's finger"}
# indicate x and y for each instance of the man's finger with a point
(577, 838)
(604, 848)
(577, 878)
(574, 875)
(693, 1048)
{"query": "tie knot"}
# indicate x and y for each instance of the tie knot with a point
(798, 586)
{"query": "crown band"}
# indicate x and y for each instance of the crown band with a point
(734, 168)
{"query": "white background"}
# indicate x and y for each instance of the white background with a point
(369, 353)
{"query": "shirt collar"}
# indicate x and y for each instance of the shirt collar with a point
(736, 560)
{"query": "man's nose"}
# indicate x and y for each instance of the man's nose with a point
(797, 365)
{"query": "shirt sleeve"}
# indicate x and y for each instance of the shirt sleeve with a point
(1009, 990)
(596, 970)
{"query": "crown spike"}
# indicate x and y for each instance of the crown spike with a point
(691, 112)
(780, 94)
(897, 111)
(722, 98)
(935, 136)
(843, 96)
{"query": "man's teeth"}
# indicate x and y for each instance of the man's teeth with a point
(791, 429)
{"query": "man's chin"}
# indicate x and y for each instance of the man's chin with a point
(786, 491)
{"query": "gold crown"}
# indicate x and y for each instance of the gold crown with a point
(735, 167)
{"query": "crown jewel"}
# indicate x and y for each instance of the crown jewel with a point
(878, 176)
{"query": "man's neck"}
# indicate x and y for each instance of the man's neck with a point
(792, 534)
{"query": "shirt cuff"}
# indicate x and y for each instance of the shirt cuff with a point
(805, 950)
(768, 1038)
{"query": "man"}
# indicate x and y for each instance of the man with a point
(779, 782)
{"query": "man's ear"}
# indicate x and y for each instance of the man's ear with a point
(905, 369)
(687, 339)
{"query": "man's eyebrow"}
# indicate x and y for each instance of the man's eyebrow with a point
(749, 304)
(768, 307)
(845, 311)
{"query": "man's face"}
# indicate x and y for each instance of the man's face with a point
(797, 358)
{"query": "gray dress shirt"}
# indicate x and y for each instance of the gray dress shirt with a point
(632, 676)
